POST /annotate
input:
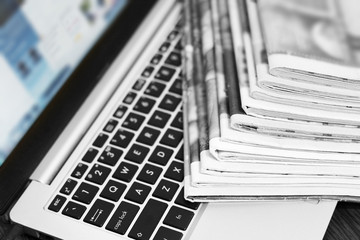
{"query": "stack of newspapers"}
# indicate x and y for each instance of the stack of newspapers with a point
(272, 99)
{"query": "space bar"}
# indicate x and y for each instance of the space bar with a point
(148, 220)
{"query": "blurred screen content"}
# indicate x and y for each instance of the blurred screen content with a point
(38, 51)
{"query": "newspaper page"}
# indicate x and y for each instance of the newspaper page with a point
(286, 96)
(231, 151)
(294, 172)
(291, 109)
(292, 85)
(296, 122)
(313, 41)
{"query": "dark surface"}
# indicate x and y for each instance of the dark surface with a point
(344, 225)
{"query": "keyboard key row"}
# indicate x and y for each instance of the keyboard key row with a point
(121, 219)
(148, 136)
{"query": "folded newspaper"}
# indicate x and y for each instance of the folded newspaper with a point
(271, 105)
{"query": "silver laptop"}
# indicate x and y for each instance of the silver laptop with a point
(91, 129)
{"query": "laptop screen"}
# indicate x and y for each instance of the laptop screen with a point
(41, 43)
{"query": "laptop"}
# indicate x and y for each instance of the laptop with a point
(91, 130)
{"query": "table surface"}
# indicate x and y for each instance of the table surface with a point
(344, 225)
(345, 222)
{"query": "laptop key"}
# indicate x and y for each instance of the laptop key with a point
(125, 172)
(110, 156)
(130, 97)
(179, 218)
(144, 105)
(166, 190)
(149, 174)
(138, 192)
(68, 187)
(164, 47)
(99, 212)
(148, 136)
(85, 193)
(74, 210)
(175, 171)
(161, 155)
(113, 190)
(167, 233)
(148, 220)
(122, 138)
(133, 121)
(180, 153)
(171, 138)
(139, 84)
(156, 59)
(165, 74)
(90, 155)
(174, 59)
(100, 140)
(172, 35)
(120, 111)
(147, 72)
(137, 153)
(79, 171)
(57, 203)
(169, 102)
(176, 87)
(178, 121)
(98, 174)
(159, 119)
(110, 126)
(122, 218)
(155, 89)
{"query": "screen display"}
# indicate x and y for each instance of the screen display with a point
(41, 43)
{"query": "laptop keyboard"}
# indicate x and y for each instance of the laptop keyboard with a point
(130, 180)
